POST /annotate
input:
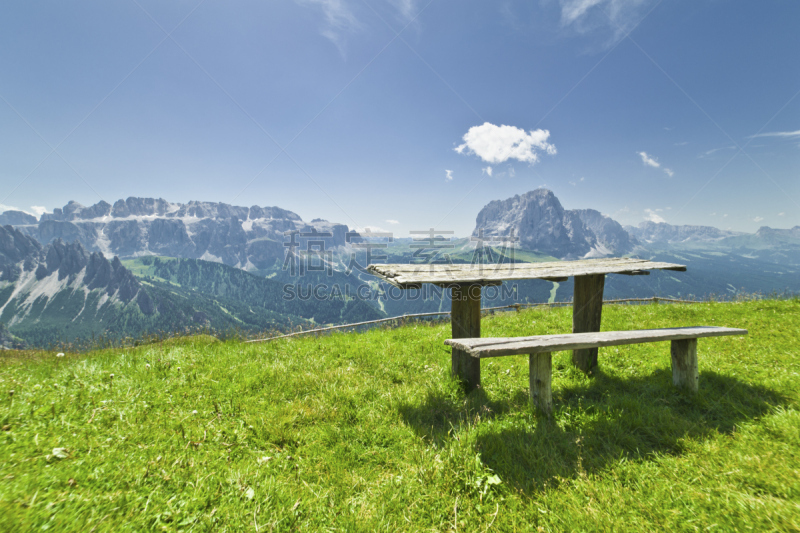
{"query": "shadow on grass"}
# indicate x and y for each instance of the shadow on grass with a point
(601, 421)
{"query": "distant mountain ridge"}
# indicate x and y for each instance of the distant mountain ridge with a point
(244, 237)
(662, 232)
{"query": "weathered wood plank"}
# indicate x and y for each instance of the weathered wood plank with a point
(685, 374)
(411, 275)
(587, 310)
(540, 375)
(500, 346)
(466, 322)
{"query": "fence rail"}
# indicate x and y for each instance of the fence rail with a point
(512, 306)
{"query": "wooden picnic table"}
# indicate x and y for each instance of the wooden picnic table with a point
(467, 280)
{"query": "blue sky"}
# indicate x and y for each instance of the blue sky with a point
(407, 114)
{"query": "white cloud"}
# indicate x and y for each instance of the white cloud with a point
(651, 215)
(649, 161)
(448, 175)
(488, 171)
(391, 221)
(339, 20)
(682, 143)
(572, 183)
(511, 171)
(725, 215)
(497, 144)
(777, 134)
(669, 172)
(583, 179)
(713, 214)
(4, 208)
(38, 210)
(758, 219)
(781, 214)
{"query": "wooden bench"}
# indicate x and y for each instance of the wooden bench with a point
(684, 352)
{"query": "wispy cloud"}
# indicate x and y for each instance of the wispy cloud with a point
(339, 20)
(652, 216)
(758, 219)
(448, 175)
(392, 221)
(649, 161)
(487, 171)
(715, 150)
(497, 144)
(776, 134)
(407, 9)
(4, 208)
(38, 210)
(781, 214)
(615, 16)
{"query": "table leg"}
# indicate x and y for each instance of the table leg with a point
(587, 308)
(466, 323)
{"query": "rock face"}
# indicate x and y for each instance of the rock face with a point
(771, 234)
(245, 237)
(540, 222)
(663, 232)
(24, 260)
(16, 218)
(612, 239)
(17, 252)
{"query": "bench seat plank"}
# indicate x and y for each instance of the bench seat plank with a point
(500, 346)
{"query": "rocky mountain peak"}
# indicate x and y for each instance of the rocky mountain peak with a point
(612, 239)
(539, 221)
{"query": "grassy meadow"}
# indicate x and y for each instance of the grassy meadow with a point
(368, 432)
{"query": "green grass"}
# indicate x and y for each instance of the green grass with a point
(368, 432)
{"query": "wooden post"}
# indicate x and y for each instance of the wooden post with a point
(466, 323)
(540, 378)
(587, 309)
(684, 364)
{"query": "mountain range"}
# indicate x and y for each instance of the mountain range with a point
(538, 221)
(250, 238)
(144, 266)
(59, 293)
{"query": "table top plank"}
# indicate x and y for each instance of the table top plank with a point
(500, 346)
(406, 275)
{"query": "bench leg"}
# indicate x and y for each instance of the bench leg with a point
(684, 364)
(541, 374)
(587, 309)
(466, 323)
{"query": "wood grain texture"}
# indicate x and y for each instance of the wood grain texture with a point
(404, 276)
(685, 374)
(466, 323)
(540, 381)
(587, 310)
(501, 346)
